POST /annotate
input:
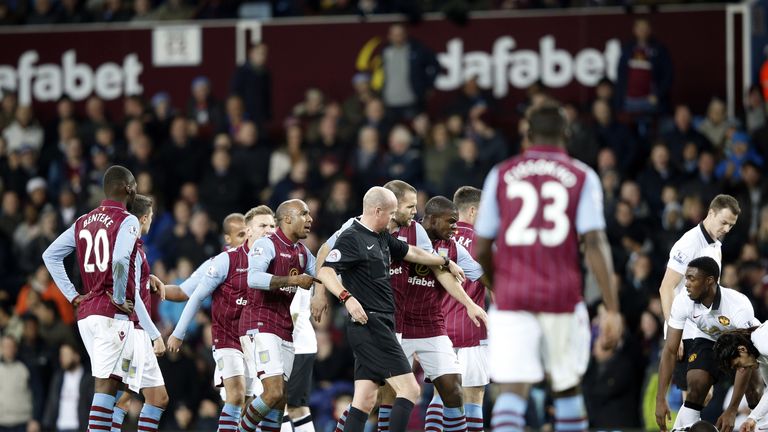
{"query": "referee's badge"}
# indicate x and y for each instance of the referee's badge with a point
(724, 320)
(333, 256)
(264, 356)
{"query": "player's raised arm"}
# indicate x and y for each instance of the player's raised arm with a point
(53, 257)
(141, 310)
(121, 256)
(214, 276)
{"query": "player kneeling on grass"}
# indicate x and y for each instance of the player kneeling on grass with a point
(747, 349)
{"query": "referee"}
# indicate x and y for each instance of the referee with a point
(361, 256)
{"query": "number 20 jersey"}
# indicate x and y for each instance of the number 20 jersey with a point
(542, 200)
(95, 236)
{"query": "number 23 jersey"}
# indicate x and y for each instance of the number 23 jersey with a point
(535, 205)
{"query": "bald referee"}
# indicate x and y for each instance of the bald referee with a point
(361, 256)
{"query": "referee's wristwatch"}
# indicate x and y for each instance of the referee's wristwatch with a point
(344, 296)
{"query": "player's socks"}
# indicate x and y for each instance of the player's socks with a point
(401, 413)
(304, 424)
(571, 414)
(509, 413)
(689, 414)
(434, 420)
(254, 413)
(355, 420)
(118, 415)
(229, 418)
(149, 418)
(286, 425)
(474, 414)
(102, 408)
(454, 419)
(385, 411)
(272, 421)
(343, 419)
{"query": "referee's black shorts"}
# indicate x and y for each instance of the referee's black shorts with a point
(378, 354)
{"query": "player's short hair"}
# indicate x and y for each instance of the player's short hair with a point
(546, 122)
(230, 219)
(116, 177)
(724, 201)
(726, 347)
(399, 188)
(141, 205)
(258, 211)
(701, 426)
(706, 265)
(466, 197)
(439, 205)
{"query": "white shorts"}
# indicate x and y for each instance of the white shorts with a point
(273, 356)
(474, 365)
(525, 345)
(230, 363)
(109, 343)
(436, 355)
(146, 373)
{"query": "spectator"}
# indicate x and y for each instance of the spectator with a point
(161, 116)
(71, 390)
(8, 106)
(467, 169)
(31, 256)
(24, 131)
(168, 241)
(410, 70)
(682, 133)
(353, 107)
(222, 187)
(114, 11)
(644, 72)
(67, 208)
(37, 192)
(402, 162)
(439, 154)
(95, 118)
(173, 10)
(72, 170)
(311, 108)
(72, 12)
(737, 153)
(752, 193)
(180, 147)
(754, 109)
(253, 83)
(286, 155)
(337, 209)
(52, 330)
(250, 160)
(41, 283)
(20, 391)
(657, 174)
(295, 181)
(142, 11)
(615, 136)
(491, 146)
(10, 214)
(582, 141)
(375, 117)
(203, 108)
(472, 97)
(43, 13)
(200, 243)
(715, 126)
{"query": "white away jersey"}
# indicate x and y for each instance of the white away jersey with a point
(760, 340)
(730, 310)
(693, 244)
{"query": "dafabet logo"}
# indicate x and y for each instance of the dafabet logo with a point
(507, 65)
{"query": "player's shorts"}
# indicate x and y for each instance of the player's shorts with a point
(436, 355)
(681, 366)
(147, 371)
(300, 384)
(109, 342)
(378, 354)
(253, 385)
(702, 356)
(474, 366)
(273, 356)
(524, 345)
(231, 362)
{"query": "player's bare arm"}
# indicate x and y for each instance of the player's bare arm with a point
(667, 290)
(174, 293)
(304, 281)
(319, 302)
(455, 290)
(666, 365)
(597, 253)
(483, 246)
(330, 279)
(157, 286)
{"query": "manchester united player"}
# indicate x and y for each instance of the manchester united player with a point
(423, 321)
(149, 344)
(469, 341)
(536, 207)
(226, 282)
(276, 270)
(104, 239)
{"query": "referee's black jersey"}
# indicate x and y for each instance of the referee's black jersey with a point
(362, 258)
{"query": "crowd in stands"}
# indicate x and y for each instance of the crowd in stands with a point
(660, 163)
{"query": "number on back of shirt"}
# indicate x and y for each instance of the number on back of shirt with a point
(553, 200)
(96, 250)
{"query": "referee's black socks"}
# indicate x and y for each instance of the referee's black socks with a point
(355, 420)
(401, 413)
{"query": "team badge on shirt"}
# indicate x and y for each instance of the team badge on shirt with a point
(443, 252)
(333, 256)
(724, 320)
(692, 358)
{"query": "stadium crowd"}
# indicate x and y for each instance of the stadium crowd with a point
(660, 163)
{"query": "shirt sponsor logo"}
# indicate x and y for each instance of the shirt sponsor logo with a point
(241, 270)
(241, 301)
(421, 281)
(285, 255)
(333, 256)
(395, 271)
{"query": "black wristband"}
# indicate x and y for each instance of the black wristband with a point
(446, 262)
